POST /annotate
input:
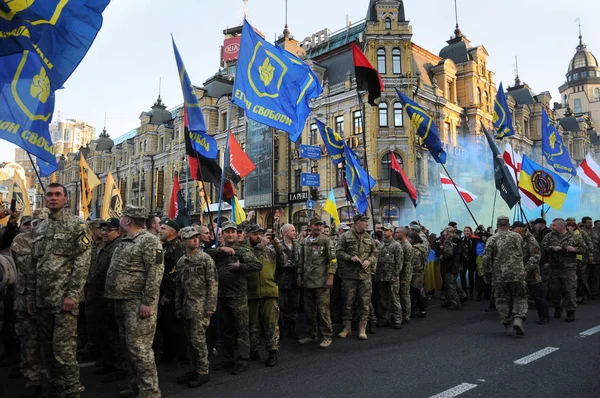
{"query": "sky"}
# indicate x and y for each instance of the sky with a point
(120, 74)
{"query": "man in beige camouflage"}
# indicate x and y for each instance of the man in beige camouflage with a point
(59, 267)
(133, 282)
(405, 274)
(592, 273)
(26, 324)
(316, 268)
(357, 254)
(195, 302)
(559, 250)
(389, 266)
(503, 264)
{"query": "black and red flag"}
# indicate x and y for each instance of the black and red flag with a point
(201, 167)
(399, 180)
(177, 208)
(367, 77)
(240, 164)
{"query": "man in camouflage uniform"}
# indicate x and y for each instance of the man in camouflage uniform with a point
(389, 265)
(357, 254)
(450, 264)
(133, 282)
(26, 324)
(405, 274)
(59, 267)
(336, 299)
(88, 328)
(234, 262)
(195, 302)
(171, 328)
(503, 264)
(531, 259)
(419, 254)
(263, 294)
(286, 276)
(316, 268)
(592, 273)
(559, 250)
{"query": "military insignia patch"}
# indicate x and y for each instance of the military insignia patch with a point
(159, 256)
(86, 241)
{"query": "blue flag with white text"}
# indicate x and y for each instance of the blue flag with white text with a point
(502, 119)
(554, 149)
(273, 86)
(203, 143)
(333, 142)
(425, 127)
(358, 181)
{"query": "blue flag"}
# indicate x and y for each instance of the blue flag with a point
(203, 143)
(554, 149)
(425, 128)
(273, 86)
(358, 181)
(502, 118)
(41, 44)
(333, 142)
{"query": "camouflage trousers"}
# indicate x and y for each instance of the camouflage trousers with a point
(195, 332)
(58, 337)
(405, 281)
(562, 286)
(26, 327)
(583, 290)
(264, 319)
(353, 289)
(136, 335)
(389, 303)
(593, 278)
(318, 316)
(511, 300)
(453, 290)
(235, 329)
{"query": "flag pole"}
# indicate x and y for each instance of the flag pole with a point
(225, 160)
(494, 207)
(364, 134)
(36, 171)
(458, 192)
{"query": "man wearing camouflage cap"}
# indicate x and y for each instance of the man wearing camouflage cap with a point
(26, 324)
(133, 282)
(59, 267)
(389, 266)
(503, 266)
(195, 302)
(450, 264)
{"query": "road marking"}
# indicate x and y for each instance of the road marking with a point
(536, 355)
(590, 332)
(455, 391)
(87, 364)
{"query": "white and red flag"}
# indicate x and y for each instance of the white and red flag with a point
(589, 171)
(513, 161)
(448, 185)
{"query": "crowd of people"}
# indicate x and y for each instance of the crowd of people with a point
(132, 291)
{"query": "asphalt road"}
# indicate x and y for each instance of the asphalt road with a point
(450, 353)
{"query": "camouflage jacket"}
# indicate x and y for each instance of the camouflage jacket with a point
(173, 251)
(317, 261)
(98, 275)
(60, 261)
(287, 276)
(592, 242)
(390, 261)
(420, 252)
(262, 284)
(503, 257)
(554, 250)
(196, 285)
(363, 246)
(406, 271)
(531, 259)
(234, 283)
(451, 259)
(136, 269)
(20, 250)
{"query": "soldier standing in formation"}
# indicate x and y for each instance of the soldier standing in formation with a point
(316, 269)
(593, 258)
(503, 266)
(195, 302)
(450, 265)
(389, 266)
(559, 250)
(289, 294)
(133, 282)
(88, 328)
(234, 261)
(59, 268)
(405, 274)
(357, 254)
(419, 254)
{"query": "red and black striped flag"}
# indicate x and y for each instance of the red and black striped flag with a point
(367, 77)
(399, 180)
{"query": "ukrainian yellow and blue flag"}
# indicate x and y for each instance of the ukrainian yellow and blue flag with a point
(539, 186)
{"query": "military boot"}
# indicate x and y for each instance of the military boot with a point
(518, 326)
(198, 380)
(130, 392)
(372, 327)
(570, 316)
(558, 313)
(184, 379)
(346, 331)
(292, 330)
(508, 329)
(272, 361)
(362, 333)
(325, 343)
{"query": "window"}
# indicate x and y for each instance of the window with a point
(339, 175)
(398, 115)
(486, 102)
(298, 180)
(381, 61)
(224, 121)
(386, 164)
(388, 24)
(396, 69)
(312, 137)
(577, 106)
(479, 98)
(383, 114)
(231, 70)
(584, 74)
(566, 100)
(339, 125)
(596, 94)
(592, 73)
(357, 118)
(575, 76)
(526, 127)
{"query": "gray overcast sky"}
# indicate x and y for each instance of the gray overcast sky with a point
(133, 50)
